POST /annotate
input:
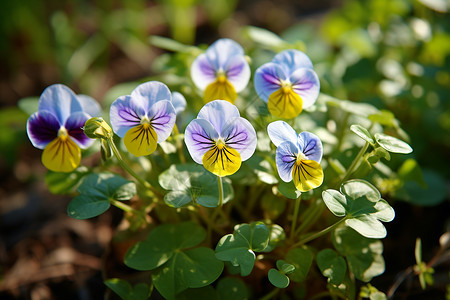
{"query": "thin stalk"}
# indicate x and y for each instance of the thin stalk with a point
(311, 215)
(127, 168)
(126, 207)
(179, 143)
(294, 219)
(318, 234)
(210, 221)
(355, 163)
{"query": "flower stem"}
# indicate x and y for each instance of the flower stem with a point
(220, 184)
(127, 168)
(318, 234)
(355, 163)
(294, 218)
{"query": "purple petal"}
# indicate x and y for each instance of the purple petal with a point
(306, 84)
(178, 102)
(239, 134)
(162, 118)
(280, 132)
(218, 112)
(293, 60)
(199, 137)
(74, 125)
(202, 72)
(221, 51)
(89, 105)
(310, 145)
(42, 128)
(59, 100)
(285, 158)
(238, 72)
(267, 80)
(125, 114)
(149, 93)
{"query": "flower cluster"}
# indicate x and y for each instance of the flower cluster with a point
(219, 138)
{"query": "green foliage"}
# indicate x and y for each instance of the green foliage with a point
(96, 193)
(140, 291)
(232, 288)
(177, 266)
(301, 259)
(332, 266)
(361, 204)
(64, 183)
(191, 183)
(239, 248)
(363, 255)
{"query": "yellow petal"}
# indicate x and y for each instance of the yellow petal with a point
(141, 140)
(307, 174)
(61, 155)
(221, 89)
(222, 161)
(285, 103)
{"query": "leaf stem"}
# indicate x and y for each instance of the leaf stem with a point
(318, 234)
(355, 163)
(125, 207)
(127, 168)
(294, 218)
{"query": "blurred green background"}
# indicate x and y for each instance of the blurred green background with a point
(393, 54)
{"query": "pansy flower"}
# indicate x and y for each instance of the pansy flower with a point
(288, 84)
(297, 156)
(144, 118)
(222, 71)
(220, 138)
(57, 127)
(178, 102)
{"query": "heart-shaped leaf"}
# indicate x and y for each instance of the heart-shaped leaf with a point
(238, 248)
(162, 243)
(361, 204)
(301, 259)
(363, 133)
(96, 191)
(278, 279)
(332, 266)
(392, 144)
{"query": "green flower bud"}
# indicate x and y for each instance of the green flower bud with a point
(97, 128)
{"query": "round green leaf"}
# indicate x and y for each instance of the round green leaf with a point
(367, 226)
(86, 206)
(277, 279)
(232, 288)
(284, 267)
(359, 188)
(335, 201)
(332, 266)
(276, 235)
(120, 287)
(362, 133)
(207, 292)
(392, 144)
(177, 198)
(301, 259)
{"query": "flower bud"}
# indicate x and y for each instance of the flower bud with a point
(97, 128)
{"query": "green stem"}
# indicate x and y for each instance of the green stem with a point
(179, 144)
(270, 295)
(355, 163)
(311, 214)
(294, 219)
(127, 168)
(318, 234)
(124, 207)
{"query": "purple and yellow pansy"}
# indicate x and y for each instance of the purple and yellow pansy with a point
(297, 156)
(288, 84)
(57, 127)
(222, 71)
(144, 118)
(219, 138)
